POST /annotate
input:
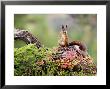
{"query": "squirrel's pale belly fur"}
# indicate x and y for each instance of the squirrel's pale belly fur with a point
(64, 40)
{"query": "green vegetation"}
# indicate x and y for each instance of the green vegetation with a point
(31, 61)
(26, 57)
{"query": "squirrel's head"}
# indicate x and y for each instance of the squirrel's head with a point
(64, 29)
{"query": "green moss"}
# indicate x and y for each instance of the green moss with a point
(31, 61)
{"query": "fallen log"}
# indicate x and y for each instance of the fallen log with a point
(26, 37)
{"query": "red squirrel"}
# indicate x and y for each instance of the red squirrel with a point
(64, 37)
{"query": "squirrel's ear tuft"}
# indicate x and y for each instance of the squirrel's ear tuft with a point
(66, 26)
(62, 26)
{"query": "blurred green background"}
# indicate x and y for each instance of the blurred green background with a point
(46, 28)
